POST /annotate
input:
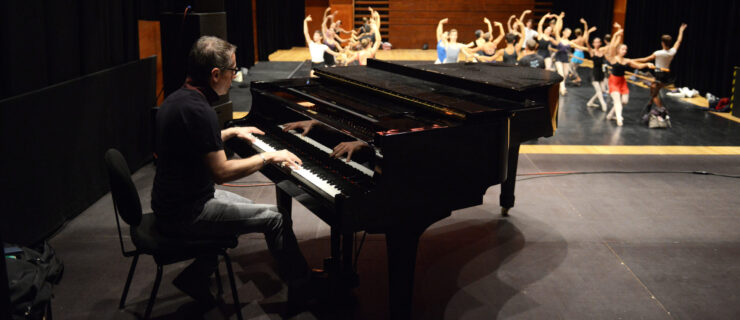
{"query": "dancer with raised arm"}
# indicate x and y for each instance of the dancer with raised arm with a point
(596, 50)
(329, 34)
(662, 60)
(369, 48)
(315, 46)
(543, 41)
(487, 52)
(528, 32)
(442, 38)
(618, 89)
(563, 45)
(513, 49)
(452, 47)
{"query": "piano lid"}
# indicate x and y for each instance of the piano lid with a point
(422, 88)
(505, 81)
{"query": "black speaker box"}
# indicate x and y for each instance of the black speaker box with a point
(179, 33)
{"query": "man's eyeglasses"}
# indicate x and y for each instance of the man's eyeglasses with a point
(236, 69)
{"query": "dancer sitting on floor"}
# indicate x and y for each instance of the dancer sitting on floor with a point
(328, 37)
(513, 49)
(315, 46)
(618, 89)
(369, 48)
(530, 58)
(487, 51)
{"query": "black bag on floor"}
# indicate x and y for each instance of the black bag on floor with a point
(31, 275)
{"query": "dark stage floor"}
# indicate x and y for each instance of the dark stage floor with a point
(596, 246)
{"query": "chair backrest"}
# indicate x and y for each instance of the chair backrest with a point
(125, 197)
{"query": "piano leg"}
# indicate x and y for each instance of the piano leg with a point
(507, 187)
(402, 246)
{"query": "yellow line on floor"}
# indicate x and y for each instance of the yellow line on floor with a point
(630, 150)
(726, 115)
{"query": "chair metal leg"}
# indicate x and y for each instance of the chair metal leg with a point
(128, 281)
(234, 294)
(218, 283)
(153, 296)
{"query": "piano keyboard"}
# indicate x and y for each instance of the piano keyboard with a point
(306, 175)
(323, 148)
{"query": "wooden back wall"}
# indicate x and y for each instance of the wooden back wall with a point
(413, 22)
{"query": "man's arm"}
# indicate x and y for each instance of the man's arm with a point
(224, 170)
(680, 36)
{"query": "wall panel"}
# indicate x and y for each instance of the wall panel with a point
(415, 21)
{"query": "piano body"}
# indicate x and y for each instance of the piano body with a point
(438, 136)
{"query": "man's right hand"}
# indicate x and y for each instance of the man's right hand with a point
(283, 157)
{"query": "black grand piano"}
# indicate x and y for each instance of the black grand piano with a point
(437, 136)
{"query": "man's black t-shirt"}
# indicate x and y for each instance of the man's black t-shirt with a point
(186, 130)
(532, 60)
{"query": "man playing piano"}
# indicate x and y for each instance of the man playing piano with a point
(190, 158)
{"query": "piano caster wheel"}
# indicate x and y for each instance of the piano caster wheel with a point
(505, 211)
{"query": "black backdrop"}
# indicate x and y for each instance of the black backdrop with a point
(596, 13)
(710, 47)
(279, 25)
(47, 42)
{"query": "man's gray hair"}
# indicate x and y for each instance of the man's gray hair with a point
(207, 53)
(531, 44)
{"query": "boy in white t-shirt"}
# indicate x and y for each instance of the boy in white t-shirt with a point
(315, 46)
(663, 60)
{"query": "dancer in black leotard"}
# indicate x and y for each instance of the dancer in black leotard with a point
(597, 56)
(617, 83)
(543, 41)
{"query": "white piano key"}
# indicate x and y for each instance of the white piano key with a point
(303, 173)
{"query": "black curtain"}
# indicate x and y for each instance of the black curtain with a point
(239, 30)
(279, 25)
(598, 14)
(710, 46)
(47, 42)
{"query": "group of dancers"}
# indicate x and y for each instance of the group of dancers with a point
(328, 48)
(548, 47)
